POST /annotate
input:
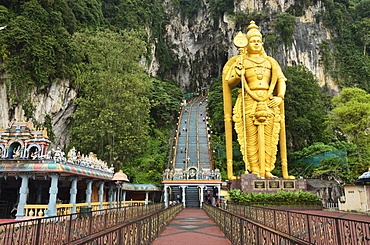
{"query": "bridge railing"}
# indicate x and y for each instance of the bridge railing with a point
(141, 231)
(240, 230)
(40, 210)
(315, 229)
(67, 228)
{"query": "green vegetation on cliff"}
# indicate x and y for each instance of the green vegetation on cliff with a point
(123, 115)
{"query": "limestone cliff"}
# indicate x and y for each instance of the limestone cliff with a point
(56, 101)
(203, 47)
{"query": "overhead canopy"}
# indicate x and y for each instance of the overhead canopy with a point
(120, 176)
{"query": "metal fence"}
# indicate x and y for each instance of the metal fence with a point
(314, 229)
(139, 232)
(67, 228)
(240, 230)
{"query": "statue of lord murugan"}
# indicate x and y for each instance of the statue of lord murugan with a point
(258, 113)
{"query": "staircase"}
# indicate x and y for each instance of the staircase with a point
(176, 191)
(192, 196)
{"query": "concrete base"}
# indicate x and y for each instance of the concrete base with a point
(250, 183)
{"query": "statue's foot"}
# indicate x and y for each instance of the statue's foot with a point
(288, 177)
(269, 175)
(232, 178)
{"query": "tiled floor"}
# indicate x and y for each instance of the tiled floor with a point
(192, 226)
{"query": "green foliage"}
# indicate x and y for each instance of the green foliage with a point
(112, 115)
(4, 15)
(133, 14)
(219, 7)
(165, 100)
(28, 109)
(88, 13)
(332, 169)
(48, 123)
(305, 111)
(270, 42)
(346, 61)
(188, 9)
(351, 114)
(242, 19)
(329, 168)
(36, 49)
(216, 106)
(285, 25)
(280, 198)
(295, 10)
(314, 149)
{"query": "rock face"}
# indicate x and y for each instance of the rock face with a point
(204, 47)
(56, 101)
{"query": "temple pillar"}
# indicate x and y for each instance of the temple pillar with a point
(146, 197)
(23, 191)
(119, 196)
(124, 196)
(166, 196)
(89, 192)
(201, 195)
(115, 193)
(184, 195)
(101, 193)
(219, 193)
(43, 152)
(53, 192)
(73, 193)
(111, 195)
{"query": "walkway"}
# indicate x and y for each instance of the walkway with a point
(192, 226)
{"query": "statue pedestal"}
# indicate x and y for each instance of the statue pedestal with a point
(250, 183)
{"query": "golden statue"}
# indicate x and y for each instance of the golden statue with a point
(259, 110)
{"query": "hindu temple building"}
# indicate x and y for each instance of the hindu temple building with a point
(36, 181)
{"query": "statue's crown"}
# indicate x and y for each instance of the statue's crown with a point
(253, 30)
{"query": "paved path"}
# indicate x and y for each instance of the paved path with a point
(192, 226)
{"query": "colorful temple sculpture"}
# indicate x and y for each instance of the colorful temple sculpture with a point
(36, 181)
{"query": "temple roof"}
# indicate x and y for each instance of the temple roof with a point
(12, 167)
(120, 176)
(365, 177)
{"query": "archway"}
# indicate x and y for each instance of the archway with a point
(15, 150)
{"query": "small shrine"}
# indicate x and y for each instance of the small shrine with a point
(21, 140)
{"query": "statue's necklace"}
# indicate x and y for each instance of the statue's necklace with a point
(259, 69)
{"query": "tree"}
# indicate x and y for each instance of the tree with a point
(285, 25)
(165, 99)
(112, 119)
(351, 114)
(305, 111)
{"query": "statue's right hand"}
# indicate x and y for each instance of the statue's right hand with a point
(238, 69)
(239, 66)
